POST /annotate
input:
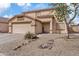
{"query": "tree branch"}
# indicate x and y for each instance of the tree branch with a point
(75, 13)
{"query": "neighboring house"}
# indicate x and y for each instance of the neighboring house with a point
(37, 21)
(74, 28)
(4, 28)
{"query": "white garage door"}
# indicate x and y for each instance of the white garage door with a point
(21, 28)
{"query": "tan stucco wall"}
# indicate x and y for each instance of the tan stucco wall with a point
(46, 27)
(31, 14)
(75, 28)
(45, 19)
(53, 25)
(62, 27)
(16, 20)
(4, 27)
(57, 27)
(47, 12)
(38, 27)
(39, 13)
(13, 20)
(10, 29)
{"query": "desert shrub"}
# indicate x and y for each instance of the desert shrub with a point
(30, 36)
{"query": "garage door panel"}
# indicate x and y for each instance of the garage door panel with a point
(21, 28)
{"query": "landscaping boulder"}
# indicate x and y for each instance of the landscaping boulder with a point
(43, 46)
(48, 45)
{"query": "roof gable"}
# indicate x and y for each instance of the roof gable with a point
(21, 15)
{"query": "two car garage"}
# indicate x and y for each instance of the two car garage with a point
(21, 27)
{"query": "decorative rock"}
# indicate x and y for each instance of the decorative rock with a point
(34, 39)
(29, 41)
(43, 46)
(48, 45)
(17, 47)
(51, 42)
(25, 42)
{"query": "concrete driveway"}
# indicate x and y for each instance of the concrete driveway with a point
(6, 37)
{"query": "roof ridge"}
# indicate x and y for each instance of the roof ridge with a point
(38, 10)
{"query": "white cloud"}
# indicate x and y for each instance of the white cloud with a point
(4, 6)
(7, 16)
(28, 4)
(68, 4)
(76, 20)
(20, 4)
(40, 6)
(23, 4)
(36, 7)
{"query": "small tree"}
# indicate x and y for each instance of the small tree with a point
(63, 11)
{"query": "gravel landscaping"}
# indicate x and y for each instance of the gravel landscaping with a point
(60, 47)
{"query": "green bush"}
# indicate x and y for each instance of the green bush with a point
(30, 36)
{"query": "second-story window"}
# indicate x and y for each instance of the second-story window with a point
(21, 18)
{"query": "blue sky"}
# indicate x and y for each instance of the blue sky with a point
(11, 9)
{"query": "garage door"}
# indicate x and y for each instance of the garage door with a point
(21, 28)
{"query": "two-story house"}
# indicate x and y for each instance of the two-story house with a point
(37, 21)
